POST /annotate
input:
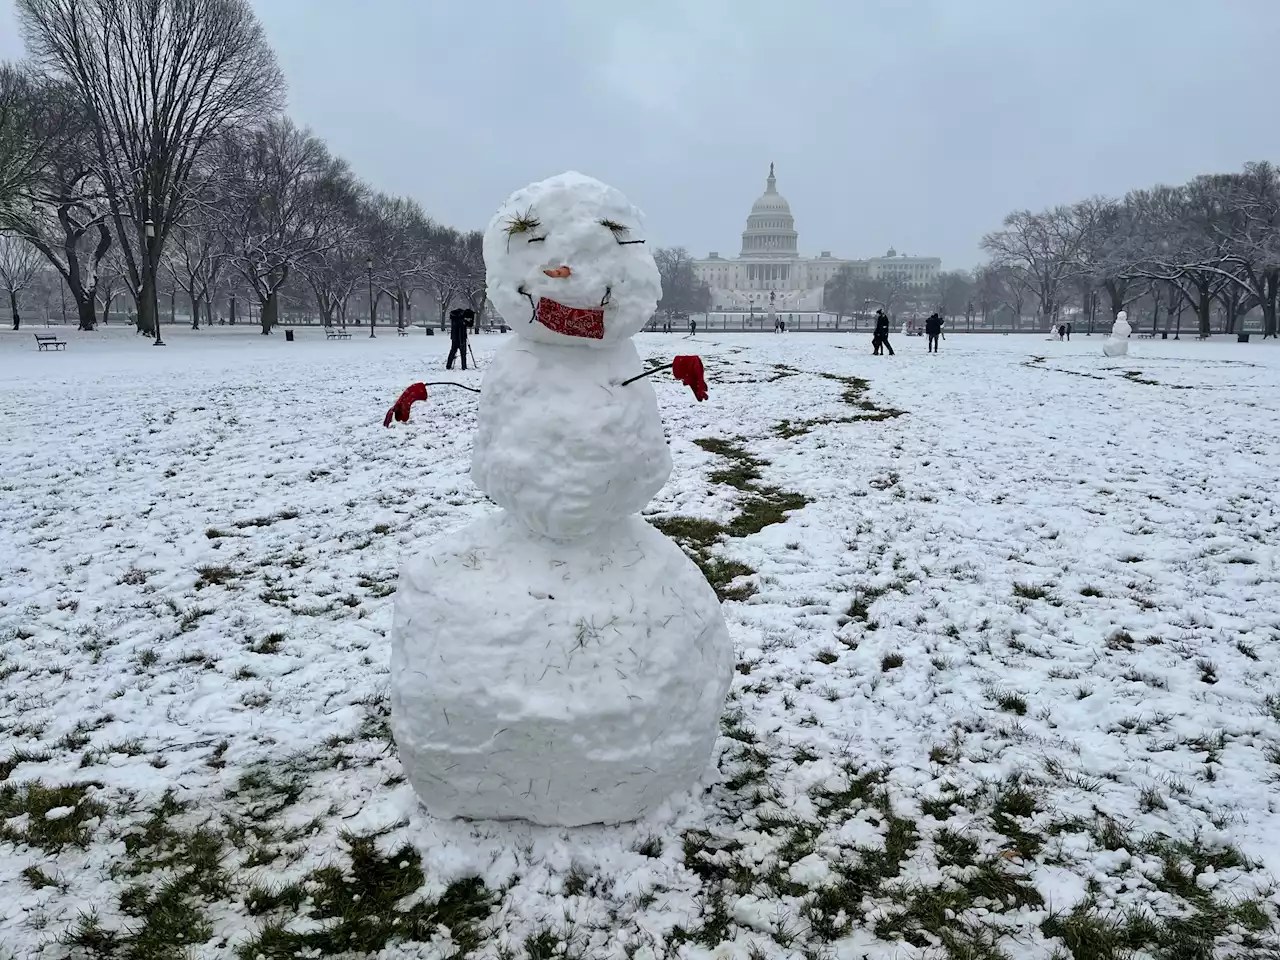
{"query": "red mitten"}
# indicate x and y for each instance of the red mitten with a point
(400, 411)
(688, 370)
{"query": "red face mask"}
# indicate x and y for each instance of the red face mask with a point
(570, 321)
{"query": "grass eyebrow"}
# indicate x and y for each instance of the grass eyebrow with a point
(522, 223)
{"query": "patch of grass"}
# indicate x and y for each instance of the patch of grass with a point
(1090, 591)
(827, 656)
(1135, 376)
(1120, 640)
(854, 395)
(1012, 703)
(214, 575)
(768, 506)
(891, 661)
(266, 521)
(37, 879)
(1029, 591)
(191, 617)
(1271, 706)
(650, 846)
(379, 588)
(692, 533)
(271, 643)
(1014, 804)
(11, 762)
(134, 577)
(55, 817)
(360, 907)
(576, 881)
(836, 907)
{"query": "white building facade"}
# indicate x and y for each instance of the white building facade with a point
(770, 261)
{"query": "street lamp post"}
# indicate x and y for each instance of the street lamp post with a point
(153, 295)
(368, 266)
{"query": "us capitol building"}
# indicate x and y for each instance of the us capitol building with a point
(770, 261)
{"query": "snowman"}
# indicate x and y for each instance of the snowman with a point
(1117, 344)
(560, 660)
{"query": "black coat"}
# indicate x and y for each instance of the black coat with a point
(933, 326)
(882, 327)
(458, 330)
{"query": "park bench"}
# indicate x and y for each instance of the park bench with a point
(336, 334)
(402, 331)
(47, 340)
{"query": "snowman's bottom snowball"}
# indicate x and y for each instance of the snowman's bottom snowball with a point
(1115, 348)
(562, 682)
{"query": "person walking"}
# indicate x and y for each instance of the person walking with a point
(459, 321)
(693, 326)
(933, 329)
(881, 339)
(1068, 332)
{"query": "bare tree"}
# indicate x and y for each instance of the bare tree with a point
(64, 212)
(19, 267)
(1041, 252)
(841, 294)
(469, 269)
(33, 123)
(682, 291)
(1252, 227)
(1183, 242)
(953, 291)
(159, 80)
(889, 291)
(286, 200)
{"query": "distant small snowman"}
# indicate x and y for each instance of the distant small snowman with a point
(561, 661)
(1117, 343)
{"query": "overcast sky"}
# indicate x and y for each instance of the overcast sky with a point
(913, 123)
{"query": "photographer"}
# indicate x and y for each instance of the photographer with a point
(459, 321)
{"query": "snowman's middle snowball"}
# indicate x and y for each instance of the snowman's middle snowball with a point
(561, 443)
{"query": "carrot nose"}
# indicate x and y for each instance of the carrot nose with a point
(560, 272)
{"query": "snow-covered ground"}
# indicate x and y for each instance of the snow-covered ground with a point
(1008, 680)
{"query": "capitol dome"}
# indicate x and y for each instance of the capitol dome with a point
(771, 230)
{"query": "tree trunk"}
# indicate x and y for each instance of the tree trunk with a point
(231, 310)
(268, 310)
(148, 302)
(87, 313)
(1268, 317)
(1204, 309)
(1270, 292)
(400, 311)
(195, 309)
(13, 308)
(1116, 289)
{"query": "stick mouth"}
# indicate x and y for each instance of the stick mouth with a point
(584, 322)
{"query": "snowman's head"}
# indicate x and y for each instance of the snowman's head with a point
(566, 262)
(1122, 317)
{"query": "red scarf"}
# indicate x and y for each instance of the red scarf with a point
(400, 412)
(688, 370)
